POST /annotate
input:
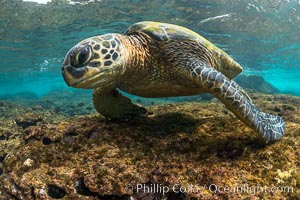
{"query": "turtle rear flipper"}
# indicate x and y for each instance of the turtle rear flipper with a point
(269, 126)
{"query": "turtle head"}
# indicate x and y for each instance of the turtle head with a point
(93, 62)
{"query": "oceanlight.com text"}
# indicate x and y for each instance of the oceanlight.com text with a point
(213, 188)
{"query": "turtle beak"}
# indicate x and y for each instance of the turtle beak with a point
(79, 77)
(84, 77)
(71, 74)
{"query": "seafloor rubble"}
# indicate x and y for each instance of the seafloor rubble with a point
(198, 148)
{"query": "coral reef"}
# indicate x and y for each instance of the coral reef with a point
(187, 150)
(63, 101)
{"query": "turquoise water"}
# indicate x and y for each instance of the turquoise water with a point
(263, 36)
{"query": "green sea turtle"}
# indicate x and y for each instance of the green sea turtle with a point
(155, 59)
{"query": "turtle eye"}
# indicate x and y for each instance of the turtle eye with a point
(83, 55)
(81, 58)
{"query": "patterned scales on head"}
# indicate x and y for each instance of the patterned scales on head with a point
(105, 51)
(155, 59)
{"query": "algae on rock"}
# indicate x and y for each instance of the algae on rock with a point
(201, 145)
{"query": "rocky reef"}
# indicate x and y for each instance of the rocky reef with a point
(256, 83)
(187, 150)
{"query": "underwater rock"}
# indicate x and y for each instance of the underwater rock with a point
(28, 119)
(256, 83)
(71, 103)
(193, 149)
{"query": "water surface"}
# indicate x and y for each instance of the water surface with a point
(263, 36)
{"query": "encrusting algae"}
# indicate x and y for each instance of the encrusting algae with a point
(198, 148)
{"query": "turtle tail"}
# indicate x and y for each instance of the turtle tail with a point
(270, 127)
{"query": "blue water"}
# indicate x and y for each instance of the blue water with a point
(263, 36)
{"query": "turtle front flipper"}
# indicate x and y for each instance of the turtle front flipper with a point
(113, 105)
(269, 126)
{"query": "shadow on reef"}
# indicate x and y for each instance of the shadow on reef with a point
(191, 138)
(88, 157)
